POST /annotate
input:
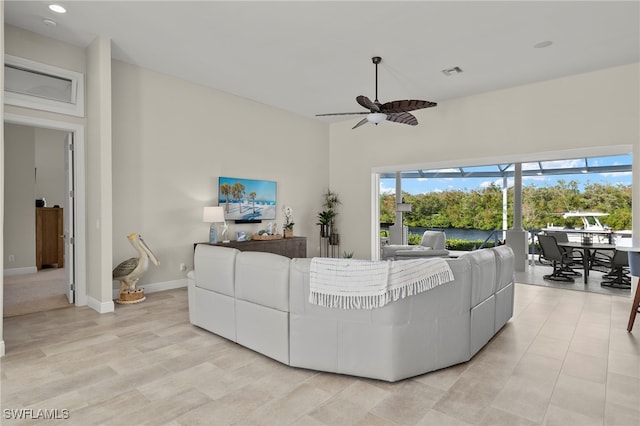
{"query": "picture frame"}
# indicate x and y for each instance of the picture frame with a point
(247, 200)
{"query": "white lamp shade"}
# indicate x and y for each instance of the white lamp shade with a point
(376, 117)
(213, 214)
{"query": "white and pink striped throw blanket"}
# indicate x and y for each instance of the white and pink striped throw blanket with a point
(368, 284)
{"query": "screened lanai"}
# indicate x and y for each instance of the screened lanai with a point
(612, 169)
(585, 165)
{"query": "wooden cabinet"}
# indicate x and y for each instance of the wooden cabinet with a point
(49, 237)
(289, 247)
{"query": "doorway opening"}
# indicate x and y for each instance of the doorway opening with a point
(53, 273)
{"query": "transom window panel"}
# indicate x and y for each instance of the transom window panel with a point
(31, 84)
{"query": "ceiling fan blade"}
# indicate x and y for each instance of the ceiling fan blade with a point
(367, 103)
(341, 113)
(403, 118)
(360, 123)
(405, 105)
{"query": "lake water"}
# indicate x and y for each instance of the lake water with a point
(460, 234)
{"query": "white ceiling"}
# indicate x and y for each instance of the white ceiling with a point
(315, 57)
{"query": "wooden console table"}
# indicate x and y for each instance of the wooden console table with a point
(289, 247)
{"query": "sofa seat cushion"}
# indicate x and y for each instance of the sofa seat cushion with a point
(263, 278)
(263, 329)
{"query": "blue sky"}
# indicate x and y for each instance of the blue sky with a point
(425, 185)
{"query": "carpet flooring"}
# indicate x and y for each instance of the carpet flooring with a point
(28, 293)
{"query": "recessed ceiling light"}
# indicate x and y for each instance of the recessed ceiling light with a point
(452, 71)
(543, 44)
(49, 22)
(57, 8)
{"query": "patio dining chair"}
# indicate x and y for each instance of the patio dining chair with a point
(619, 276)
(560, 260)
(574, 256)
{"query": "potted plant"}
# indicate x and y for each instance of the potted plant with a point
(325, 220)
(287, 228)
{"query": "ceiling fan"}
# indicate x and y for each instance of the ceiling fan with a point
(396, 111)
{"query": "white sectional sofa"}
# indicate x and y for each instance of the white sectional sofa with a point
(261, 301)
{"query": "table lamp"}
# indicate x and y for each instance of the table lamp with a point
(214, 216)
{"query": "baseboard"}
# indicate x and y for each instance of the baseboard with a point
(20, 271)
(100, 307)
(154, 287)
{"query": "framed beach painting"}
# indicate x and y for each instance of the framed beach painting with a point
(248, 200)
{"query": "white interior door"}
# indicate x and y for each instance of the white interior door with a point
(69, 209)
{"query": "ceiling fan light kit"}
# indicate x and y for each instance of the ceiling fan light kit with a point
(395, 111)
(376, 117)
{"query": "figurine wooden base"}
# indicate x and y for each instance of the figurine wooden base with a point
(128, 297)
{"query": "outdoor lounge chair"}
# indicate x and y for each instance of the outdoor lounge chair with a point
(433, 244)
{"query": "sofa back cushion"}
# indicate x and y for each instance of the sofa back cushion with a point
(505, 264)
(215, 268)
(483, 274)
(263, 278)
(434, 239)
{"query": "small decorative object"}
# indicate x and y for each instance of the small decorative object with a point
(587, 239)
(264, 235)
(347, 255)
(288, 221)
(130, 271)
(214, 216)
(241, 236)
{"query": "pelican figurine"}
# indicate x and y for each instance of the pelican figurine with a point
(130, 271)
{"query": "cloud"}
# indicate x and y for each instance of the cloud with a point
(496, 182)
(563, 164)
(386, 190)
(616, 174)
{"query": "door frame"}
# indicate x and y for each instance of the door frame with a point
(79, 201)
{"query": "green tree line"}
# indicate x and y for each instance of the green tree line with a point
(541, 206)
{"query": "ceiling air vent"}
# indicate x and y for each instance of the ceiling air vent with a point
(452, 71)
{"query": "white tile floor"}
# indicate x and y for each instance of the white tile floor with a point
(565, 358)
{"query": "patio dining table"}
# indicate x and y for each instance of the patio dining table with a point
(588, 250)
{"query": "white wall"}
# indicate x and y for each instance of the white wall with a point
(31, 46)
(19, 196)
(597, 109)
(173, 139)
(2, 49)
(99, 182)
